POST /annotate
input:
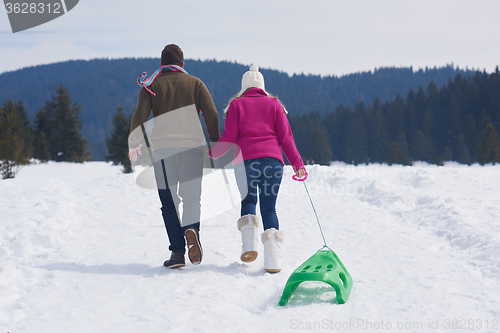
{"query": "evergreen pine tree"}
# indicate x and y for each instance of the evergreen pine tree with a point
(447, 154)
(319, 152)
(394, 154)
(15, 140)
(429, 127)
(403, 146)
(462, 155)
(24, 118)
(330, 123)
(483, 122)
(450, 128)
(420, 106)
(65, 123)
(356, 143)
(335, 124)
(42, 146)
(411, 116)
(41, 142)
(379, 138)
(434, 99)
(471, 134)
(117, 142)
(395, 117)
(302, 127)
(422, 147)
(488, 149)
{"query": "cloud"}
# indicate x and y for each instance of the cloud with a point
(46, 52)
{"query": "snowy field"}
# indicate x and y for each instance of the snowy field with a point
(82, 248)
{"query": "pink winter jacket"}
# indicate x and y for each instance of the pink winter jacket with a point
(258, 126)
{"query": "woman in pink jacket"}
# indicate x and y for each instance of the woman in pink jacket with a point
(256, 124)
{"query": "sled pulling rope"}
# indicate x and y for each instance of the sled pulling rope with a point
(294, 177)
(324, 266)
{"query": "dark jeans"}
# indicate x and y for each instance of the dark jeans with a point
(262, 177)
(184, 171)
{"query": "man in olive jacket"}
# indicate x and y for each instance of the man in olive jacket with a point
(176, 100)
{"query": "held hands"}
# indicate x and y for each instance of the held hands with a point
(132, 153)
(211, 146)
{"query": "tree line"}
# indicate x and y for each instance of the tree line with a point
(458, 122)
(100, 85)
(53, 135)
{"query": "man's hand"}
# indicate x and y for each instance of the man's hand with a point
(132, 153)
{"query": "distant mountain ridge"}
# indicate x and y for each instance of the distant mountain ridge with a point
(101, 85)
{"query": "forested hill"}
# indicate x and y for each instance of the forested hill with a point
(459, 122)
(101, 85)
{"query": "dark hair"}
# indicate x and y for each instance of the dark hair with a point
(172, 55)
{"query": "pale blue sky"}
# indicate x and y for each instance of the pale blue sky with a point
(318, 36)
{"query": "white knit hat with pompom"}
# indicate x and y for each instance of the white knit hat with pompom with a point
(252, 79)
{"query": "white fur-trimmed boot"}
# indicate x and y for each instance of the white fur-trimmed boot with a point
(272, 240)
(249, 227)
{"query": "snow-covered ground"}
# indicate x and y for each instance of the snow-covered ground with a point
(82, 248)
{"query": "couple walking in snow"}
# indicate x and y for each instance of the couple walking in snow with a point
(255, 123)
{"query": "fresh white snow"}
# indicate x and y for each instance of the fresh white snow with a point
(82, 248)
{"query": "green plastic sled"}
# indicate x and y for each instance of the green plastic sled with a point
(323, 266)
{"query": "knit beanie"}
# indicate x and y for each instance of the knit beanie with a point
(252, 79)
